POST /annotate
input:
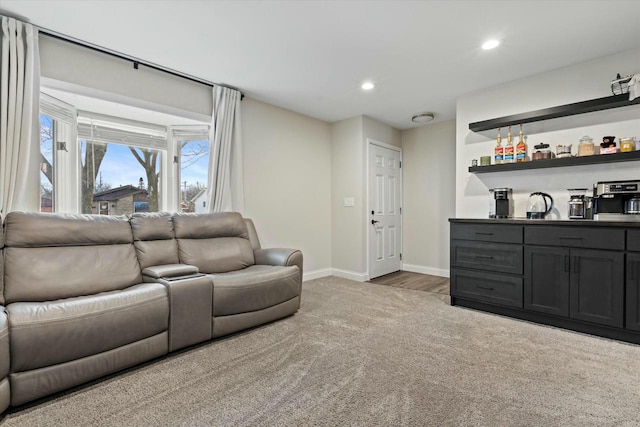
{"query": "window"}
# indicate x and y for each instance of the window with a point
(101, 164)
(57, 122)
(193, 166)
(120, 165)
(47, 137)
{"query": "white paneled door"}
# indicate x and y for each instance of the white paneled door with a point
(384, 214)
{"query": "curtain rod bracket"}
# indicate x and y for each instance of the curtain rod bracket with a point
(136, 64)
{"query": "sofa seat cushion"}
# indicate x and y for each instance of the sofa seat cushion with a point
(47, 333)
(254, 288)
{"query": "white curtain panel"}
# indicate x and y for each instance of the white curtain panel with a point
(226, 183)
(19, 117)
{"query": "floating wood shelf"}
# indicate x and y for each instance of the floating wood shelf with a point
(615, 101)
(554, 163)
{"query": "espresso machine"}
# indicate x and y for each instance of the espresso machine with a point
(616, 201)
(501, 204)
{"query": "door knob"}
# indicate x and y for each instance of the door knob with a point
(374, 222)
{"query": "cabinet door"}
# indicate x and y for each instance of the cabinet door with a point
(597, 286)
(633, 292)
(546, 280)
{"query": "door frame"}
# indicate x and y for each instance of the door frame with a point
(367, 215)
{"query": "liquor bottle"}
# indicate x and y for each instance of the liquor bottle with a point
(509, 151)
(521, 148)
(498, 152)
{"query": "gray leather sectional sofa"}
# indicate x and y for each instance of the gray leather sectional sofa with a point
(83, 296)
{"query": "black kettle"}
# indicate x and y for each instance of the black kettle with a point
(538, 207)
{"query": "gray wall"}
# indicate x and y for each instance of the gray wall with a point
(287, 179)
(579, 82)
(429, 154)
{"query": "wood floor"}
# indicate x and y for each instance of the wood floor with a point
(416, 281)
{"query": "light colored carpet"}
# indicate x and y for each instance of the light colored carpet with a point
(370, 355)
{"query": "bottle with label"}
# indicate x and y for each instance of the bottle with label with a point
(509, 151)
(521, 148)
(498, 152)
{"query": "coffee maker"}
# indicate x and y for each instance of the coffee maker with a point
(501, 205)
(617, 201)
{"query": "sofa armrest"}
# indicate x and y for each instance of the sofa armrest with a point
(170, 270)
(279, 256)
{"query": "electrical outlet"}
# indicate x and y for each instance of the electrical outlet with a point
(349, 202)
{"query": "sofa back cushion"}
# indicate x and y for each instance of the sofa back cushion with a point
(215, 242)
(53, 256)
(154, 239)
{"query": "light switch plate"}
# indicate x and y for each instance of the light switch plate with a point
(349, 202)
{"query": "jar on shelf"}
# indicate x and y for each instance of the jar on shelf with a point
(563, 151)
(542, 152)
(626, 145)
(586, 147)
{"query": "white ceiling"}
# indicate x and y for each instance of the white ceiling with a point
(312, 56)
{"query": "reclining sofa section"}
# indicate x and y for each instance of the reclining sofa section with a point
(88, 295)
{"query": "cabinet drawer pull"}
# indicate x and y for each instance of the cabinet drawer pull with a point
(484, 234)
(483, 287)
(570, 237)
(484, 256)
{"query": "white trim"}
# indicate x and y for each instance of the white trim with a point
(384, 145)
(316, 274)
(351, 275)
(425, 270)
(367, 215)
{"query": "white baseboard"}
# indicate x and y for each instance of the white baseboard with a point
(316, 274)
(352, 275)
(425, 270)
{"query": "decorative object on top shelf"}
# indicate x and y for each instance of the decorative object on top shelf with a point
(606, 103)
(620, 85)
(634, 87)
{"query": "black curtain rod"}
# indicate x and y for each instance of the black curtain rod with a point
(136, 62)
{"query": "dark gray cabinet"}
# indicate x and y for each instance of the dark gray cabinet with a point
(597, 286)
(487, 264)
(576, 275)
(633, 292)
(583, 284)
(546, 280)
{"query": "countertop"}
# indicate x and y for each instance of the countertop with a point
(526, 221)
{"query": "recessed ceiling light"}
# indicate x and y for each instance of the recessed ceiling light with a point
(367, 86)
(422, 117)
(490, 44)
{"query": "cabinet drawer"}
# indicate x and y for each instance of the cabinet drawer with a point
(503, 257)
(487, 287)
(633, 240)
(575, 237)
(487, 232)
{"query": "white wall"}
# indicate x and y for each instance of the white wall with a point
(571, 84)
(115, 79)
(347, 180)
(287, 179)
(429, 154)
